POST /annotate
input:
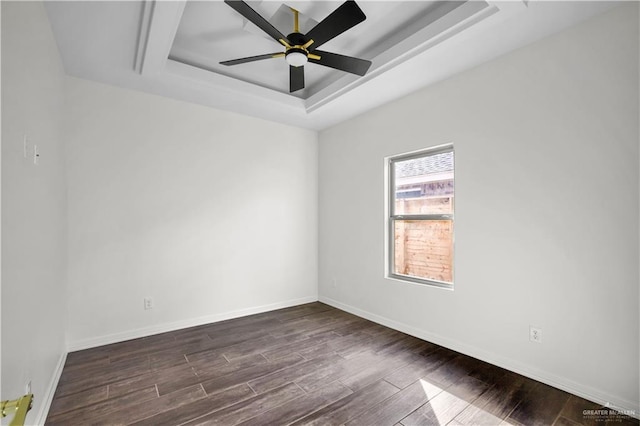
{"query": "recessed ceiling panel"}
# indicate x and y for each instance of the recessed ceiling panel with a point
(211, 32)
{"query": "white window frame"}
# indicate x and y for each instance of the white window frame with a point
(391, 217)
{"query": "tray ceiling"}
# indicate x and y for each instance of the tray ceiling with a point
(210, 32)
(174, 48)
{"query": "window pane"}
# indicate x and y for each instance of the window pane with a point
(424, 249)
(424, 185)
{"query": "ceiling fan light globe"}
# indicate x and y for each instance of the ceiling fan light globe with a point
(296, 59)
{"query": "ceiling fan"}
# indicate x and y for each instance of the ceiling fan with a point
(302, 48)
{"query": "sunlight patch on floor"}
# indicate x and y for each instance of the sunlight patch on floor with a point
(444, 408)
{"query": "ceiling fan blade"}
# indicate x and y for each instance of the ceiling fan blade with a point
(245, 10)
(252, 58)
(296, 78)
(340, 20)
(340, 62)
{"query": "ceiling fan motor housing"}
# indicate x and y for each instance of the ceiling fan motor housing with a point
(296, 55)
(297, 39)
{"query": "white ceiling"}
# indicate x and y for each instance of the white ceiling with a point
(173, 49)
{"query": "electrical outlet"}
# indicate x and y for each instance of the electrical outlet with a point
(27, 388)
(334, 282)
(535, 334)
(148, 303)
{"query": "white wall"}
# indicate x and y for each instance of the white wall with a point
(213, 214)
(546, 148)
(33, 207)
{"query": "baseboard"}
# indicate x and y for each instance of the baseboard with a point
(47, 398)
(177, 325)
(562, 383)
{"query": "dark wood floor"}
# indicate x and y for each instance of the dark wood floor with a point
(309, 364)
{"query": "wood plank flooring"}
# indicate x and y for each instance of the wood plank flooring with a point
(306, 365)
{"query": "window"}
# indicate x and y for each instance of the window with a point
(420, 221)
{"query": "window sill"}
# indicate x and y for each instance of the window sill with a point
(421, 282)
